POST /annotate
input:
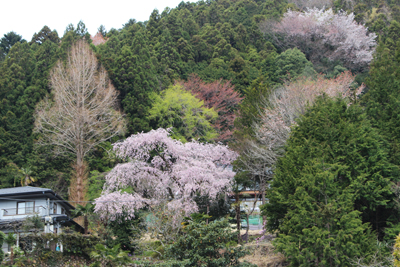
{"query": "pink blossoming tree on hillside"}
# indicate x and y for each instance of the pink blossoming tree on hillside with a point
(318, 34)
(161, 171)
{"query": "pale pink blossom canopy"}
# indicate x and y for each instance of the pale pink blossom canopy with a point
(162, 170)
(349, 41)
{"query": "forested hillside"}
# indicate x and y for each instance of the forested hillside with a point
(306, 92)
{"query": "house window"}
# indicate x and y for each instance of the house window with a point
(62, 211)
(25, 207)
(54, 208)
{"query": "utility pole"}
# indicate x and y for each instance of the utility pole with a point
(47, 218)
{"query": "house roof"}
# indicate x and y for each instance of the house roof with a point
(22, 190)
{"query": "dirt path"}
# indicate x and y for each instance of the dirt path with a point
(263, 255)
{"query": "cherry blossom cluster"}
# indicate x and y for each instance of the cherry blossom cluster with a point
(319, 33)
(162, 170)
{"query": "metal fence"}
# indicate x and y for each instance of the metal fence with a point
(39, 210)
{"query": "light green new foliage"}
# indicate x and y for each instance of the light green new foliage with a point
(181, 110)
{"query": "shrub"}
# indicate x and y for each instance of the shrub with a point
(203, 244)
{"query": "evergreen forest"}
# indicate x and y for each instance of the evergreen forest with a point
(298, 100)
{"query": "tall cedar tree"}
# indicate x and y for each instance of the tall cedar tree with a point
(153, 26)
(140, 82)
(23, 82)
(8, 40)
(170, 62)
(248, 111)
(16, 106)
(133, 74)
(45, 34)
(383, 97)
(333, 182)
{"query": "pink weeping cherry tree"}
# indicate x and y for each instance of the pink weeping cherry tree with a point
(161, 171)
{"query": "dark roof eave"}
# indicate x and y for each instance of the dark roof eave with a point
(46, 192)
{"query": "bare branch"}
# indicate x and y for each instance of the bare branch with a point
(278, 114)
(82, 112)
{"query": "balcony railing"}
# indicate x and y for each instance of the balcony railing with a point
(39, 210)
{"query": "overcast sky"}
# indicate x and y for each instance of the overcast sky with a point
(25, 17)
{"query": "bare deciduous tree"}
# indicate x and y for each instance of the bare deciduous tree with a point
(278, 113)
(81, 113)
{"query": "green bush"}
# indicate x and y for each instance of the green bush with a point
(104, 256)
(203, 244)
(2, 238)
(74, 244)
(291, 64)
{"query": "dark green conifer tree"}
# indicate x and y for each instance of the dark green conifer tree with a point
(133, 74)
(16, 112)
(227, 33)
(240, 69)
(153, 27)
(321, 227)
(189, 25)
(174, 25)
(382, 99)
(45, 34)
(202, 50)
(102, 30)
(108, 53)
(170, 62)
(333, 183)
(241, 38)
(8, 40)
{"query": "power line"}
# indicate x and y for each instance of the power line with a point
(108, 201)
(68, 201)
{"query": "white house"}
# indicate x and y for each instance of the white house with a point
(18, 203)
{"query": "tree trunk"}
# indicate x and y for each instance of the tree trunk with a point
(264, 218)
(12, 256)
(237, 209)
(248, 227)
(208, 210)
(79, 181)
(86, 224)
